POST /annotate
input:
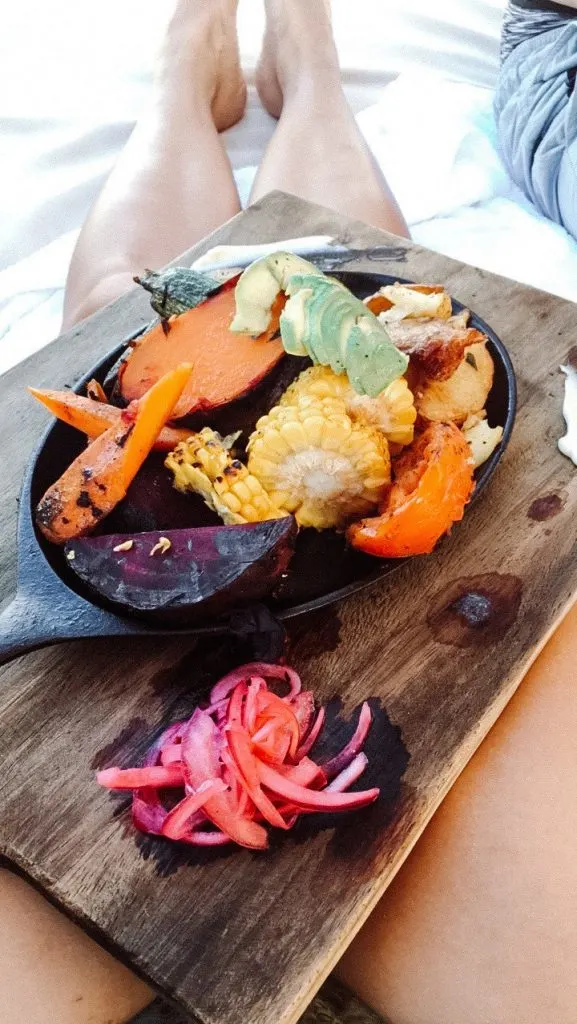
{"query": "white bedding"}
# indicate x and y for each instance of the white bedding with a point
(74, 77)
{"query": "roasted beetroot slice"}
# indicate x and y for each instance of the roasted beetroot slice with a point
(195, 573)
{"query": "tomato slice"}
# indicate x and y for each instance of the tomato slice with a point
(433, 483)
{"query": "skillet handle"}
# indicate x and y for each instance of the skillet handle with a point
(24, 628)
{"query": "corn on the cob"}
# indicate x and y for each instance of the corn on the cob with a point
(393, 411)
(203, 464)
(315, 462)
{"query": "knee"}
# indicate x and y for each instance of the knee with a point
(79, 306)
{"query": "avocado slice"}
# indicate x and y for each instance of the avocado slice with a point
(324, 320)
(258, 287)
(321, 319)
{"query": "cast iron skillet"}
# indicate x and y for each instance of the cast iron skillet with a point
(50, 605)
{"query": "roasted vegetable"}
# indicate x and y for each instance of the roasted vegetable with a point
(204, 465)
(321, 319)
(93, 417)
(435, 347)
(324, 320)
(94, 390)
(99, 477)
(176, 289)
(185, 574)
(433, 483)
(481, 438)
(400, 301)
(393, 411)
(463, 394)
(152, 503)
(225, 365)
(315, 462)
(259, 288)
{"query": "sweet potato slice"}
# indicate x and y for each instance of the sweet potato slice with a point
(98, 479)
(225, 365)
(92, 417)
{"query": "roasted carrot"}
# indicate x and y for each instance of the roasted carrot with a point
(226, 365)
(95, 390)
(99, 478)
(94, 417)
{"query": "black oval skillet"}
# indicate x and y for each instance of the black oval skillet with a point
(50, 605)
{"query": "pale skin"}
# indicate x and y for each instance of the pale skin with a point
(480, 926)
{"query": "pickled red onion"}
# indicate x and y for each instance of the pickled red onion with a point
(242, 762)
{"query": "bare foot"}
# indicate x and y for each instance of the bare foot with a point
(298, 42)
(202, 34)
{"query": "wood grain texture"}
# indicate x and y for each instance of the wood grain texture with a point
(250, 938)
(334, 1004)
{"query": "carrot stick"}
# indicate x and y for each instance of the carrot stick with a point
(99, 478)
(94, 417)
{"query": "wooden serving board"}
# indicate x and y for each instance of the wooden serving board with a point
(250, 937)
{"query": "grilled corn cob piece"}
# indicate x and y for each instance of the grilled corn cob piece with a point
(393, 411)
(204, 465)
(315, 462)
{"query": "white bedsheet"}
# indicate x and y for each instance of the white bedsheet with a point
(73, 79)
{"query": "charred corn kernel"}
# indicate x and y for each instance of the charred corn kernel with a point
(336, 469)
(204, 465)
(393, 411)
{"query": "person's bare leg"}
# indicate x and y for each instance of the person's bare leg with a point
(173, 182)
(317, 150)
(51, 972)
(480, 926)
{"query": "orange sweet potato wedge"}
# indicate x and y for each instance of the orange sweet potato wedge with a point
(98, 479)
(92, 417)
(225, 365)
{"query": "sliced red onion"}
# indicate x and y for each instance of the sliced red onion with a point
(303, 706)
(255, 668)
(255, 685)
(312, 799)
(242, 761)
(172, 754)
(310, 740)
(177, 821)
(350, 774)
(354, 746)
(199, 838)
(148, 813)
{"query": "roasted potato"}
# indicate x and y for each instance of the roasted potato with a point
(463, 394)
(482, 438)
